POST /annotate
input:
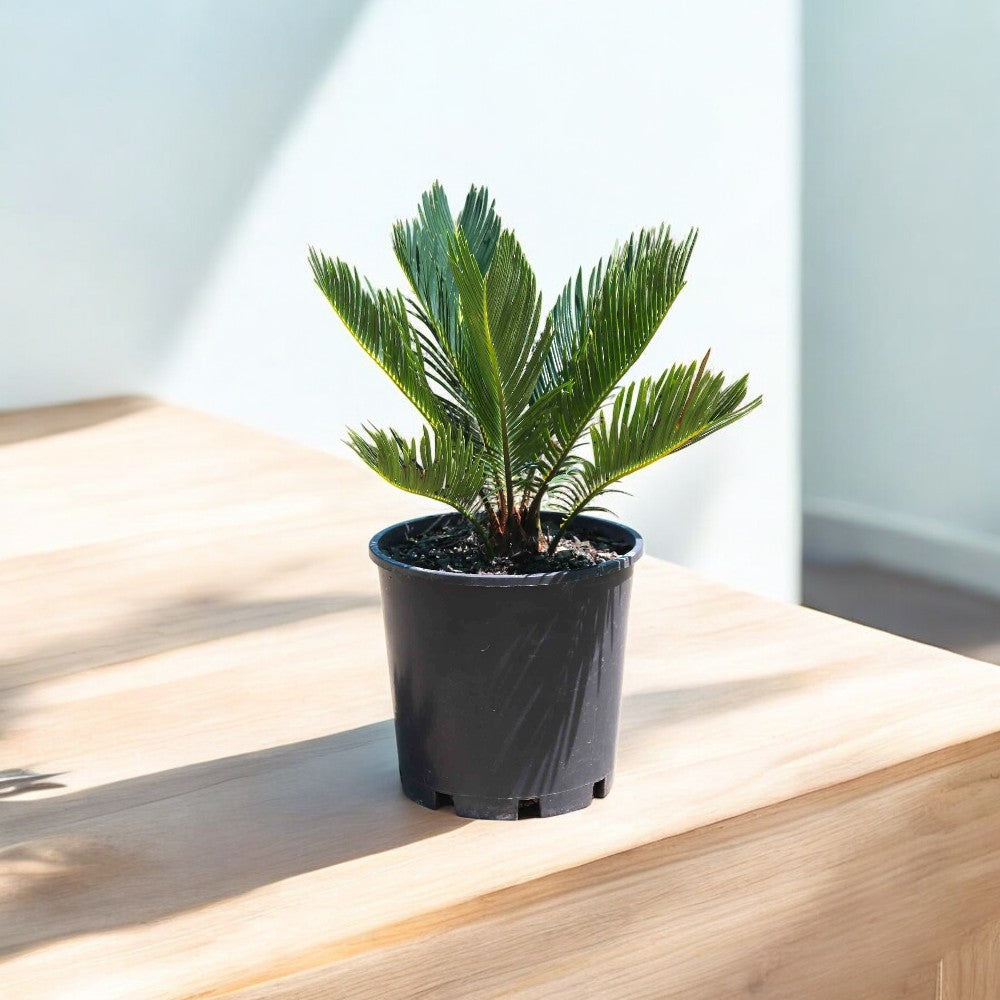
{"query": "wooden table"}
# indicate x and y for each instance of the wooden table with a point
(804, 808)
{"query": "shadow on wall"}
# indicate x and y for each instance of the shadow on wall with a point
(139, 132)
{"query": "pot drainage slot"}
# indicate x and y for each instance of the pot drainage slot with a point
(529, 809)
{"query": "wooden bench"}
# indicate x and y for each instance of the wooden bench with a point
(804, 809)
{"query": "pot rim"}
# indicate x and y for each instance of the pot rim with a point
(621, 563)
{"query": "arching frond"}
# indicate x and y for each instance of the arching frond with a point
(513, 404)
(570, 322)
(440, 464)
(501, 354)
(378, 321)
(422, 249)
(598, 335)
(481, 225)
(650, 419)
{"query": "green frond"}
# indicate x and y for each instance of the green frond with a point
(502, 353)
(440, 464)
(481, 225)
(598, 335)
(650, 419)
(378, 321)
(512, 402)
(514, 307)
(421, 247)
(570, 322)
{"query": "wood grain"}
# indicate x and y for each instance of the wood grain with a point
(971, 971)
(192, 641)
(820, 898)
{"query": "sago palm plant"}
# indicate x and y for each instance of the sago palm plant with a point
(511, 401)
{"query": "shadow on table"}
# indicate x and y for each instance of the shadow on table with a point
(151, 847)
(44, 421)
(155, 846)
(668, 706)
(175, 625)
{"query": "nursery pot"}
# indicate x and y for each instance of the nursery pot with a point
(506, 689)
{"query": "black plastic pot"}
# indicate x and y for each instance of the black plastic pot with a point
(506, 689)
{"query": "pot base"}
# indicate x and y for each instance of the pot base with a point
(479, 807)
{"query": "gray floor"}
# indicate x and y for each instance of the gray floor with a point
(936, 613)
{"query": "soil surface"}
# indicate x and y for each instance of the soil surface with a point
(456, 548)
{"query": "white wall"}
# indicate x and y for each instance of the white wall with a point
(901, 294)
(587, 120)
(131, 136)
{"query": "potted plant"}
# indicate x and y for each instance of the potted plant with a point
(505, 620)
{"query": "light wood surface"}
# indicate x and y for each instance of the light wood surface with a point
(972, 970)
(803, 808)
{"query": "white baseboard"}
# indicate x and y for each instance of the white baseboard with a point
(838, 531)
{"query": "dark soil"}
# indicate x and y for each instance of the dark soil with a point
(456, 548)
